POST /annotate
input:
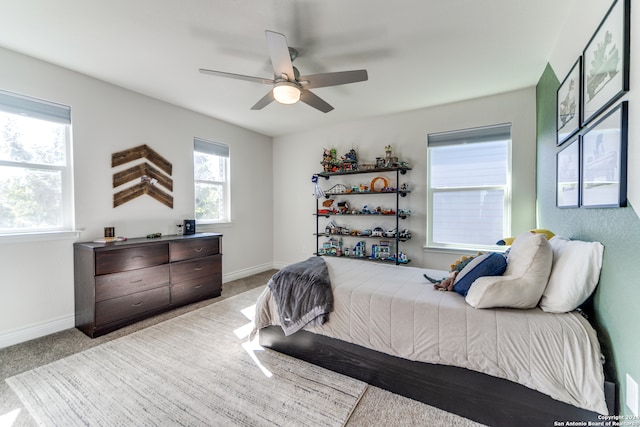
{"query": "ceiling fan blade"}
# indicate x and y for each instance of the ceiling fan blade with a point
(237, 76)
(315, 101)
(279, 52)
(264, 101)
(333, 79)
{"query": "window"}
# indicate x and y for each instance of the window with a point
(211, 179)
(36, 176)
(469, 188)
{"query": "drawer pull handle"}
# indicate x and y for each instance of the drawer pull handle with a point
(198, 268)
(196, 287)
(137, 304)
(198, 249)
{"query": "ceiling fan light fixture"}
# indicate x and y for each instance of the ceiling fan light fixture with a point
(286, 93)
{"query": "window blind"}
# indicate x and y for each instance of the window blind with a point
(499, 132)
(209, 147)
(34, 108)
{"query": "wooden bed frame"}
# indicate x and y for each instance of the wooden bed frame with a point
(479, 397)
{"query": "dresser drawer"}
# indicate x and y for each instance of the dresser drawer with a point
(113, 261)
(199, 267)
(195, 289)
(129, 282)
(120, 308)
(192, 248)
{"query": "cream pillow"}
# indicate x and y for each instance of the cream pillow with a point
(574, 276)
(523, 282)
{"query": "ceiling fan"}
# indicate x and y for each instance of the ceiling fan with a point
(289, 86)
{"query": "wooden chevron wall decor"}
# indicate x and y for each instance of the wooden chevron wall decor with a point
(147, 175)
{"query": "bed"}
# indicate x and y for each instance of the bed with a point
(496, 365)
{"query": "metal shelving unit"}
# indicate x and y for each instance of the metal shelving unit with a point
(398, 192)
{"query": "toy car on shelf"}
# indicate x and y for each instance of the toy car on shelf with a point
(405, 234)
(377, 232)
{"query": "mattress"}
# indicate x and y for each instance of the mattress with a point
(393, 309)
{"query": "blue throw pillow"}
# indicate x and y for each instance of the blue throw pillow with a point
(492, 264)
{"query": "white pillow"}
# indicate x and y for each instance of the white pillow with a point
(523, 282)
(574, 275)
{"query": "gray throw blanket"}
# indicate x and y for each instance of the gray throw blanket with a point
(303, 294)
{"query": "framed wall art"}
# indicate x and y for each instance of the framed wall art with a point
(605, 67)
(568, 106)
(568, 175)
(604, 160)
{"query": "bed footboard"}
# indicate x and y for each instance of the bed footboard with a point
(480, 397)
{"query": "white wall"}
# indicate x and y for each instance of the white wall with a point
(570, 45)
(36, 276)
(297, 157)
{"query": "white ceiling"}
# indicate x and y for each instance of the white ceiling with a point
(418, 53)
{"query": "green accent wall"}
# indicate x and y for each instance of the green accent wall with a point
(616, 301)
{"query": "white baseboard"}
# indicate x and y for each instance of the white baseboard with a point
(280, 265)
(241, 274)
(37, 330)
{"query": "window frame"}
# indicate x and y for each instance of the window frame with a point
(204, 146)
(38, 109)
(463, 137)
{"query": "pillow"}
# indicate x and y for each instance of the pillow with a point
(492, 264)
(574, 275)
(525, 279)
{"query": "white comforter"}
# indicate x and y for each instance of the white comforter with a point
(393, 309)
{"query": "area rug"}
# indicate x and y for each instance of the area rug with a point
(198, 369)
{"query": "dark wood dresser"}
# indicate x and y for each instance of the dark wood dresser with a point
(120, 283)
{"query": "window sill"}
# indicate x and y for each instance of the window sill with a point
(40, 236)
(211, 226)
(464, 249)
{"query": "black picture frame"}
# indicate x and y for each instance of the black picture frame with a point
(568, 104)
(605, 66)
(568, 174)
(603, 156)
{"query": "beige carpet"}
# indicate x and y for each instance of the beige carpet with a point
(376, 407)
(196, 369)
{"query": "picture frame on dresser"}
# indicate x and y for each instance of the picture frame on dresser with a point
(568, 174)
(605, 68)
(568, 105)
(603, 157)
